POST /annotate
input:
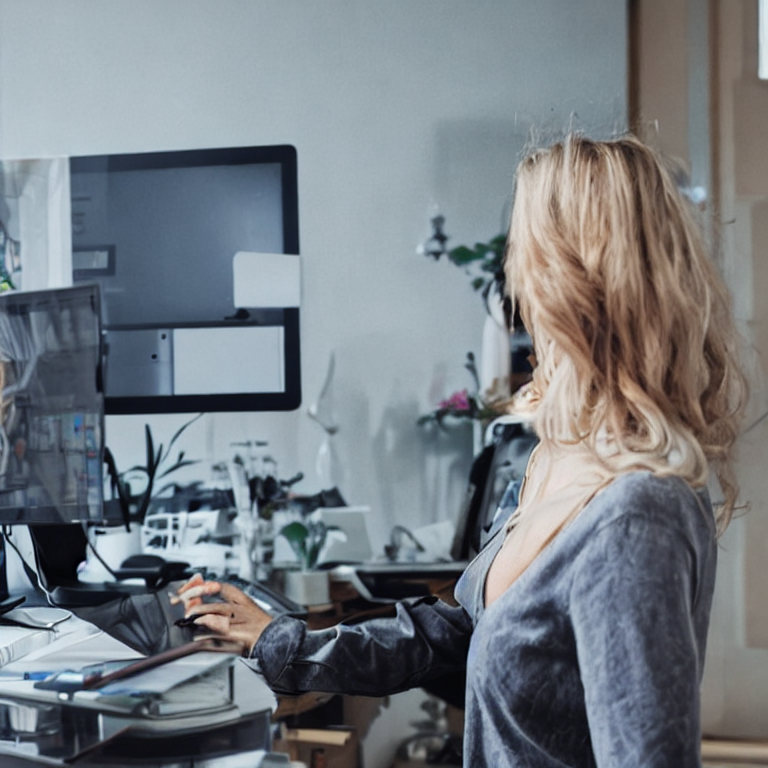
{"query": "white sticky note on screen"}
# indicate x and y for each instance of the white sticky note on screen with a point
(228, 360)
(266, 279)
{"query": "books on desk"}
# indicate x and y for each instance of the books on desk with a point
(175, 690)
(191, 684)
(193, 677)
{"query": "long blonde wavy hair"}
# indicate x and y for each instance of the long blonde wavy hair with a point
(637, 349)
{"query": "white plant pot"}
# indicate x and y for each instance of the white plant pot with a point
(114, 545)
(307, 587)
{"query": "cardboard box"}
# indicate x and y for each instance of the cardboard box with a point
(336, 747)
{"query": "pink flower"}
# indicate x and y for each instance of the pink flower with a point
(458, 401)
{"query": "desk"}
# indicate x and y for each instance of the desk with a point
(90, 735)
(41, 728)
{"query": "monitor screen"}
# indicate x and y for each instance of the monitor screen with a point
(167, 236)
(51, 406)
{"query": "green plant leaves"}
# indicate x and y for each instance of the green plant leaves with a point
(462, 255)
(307, 540)
(155, 458)
(297, 534)
(488, 258)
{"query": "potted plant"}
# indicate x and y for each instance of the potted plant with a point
(486, 259)
(307, 586)
(133, 507)
(111, 546)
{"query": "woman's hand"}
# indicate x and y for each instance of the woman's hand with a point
(235, 617)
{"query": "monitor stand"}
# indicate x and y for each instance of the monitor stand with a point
(59, 550)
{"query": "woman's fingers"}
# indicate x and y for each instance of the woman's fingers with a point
(222, 609)
(235, 613)
(193, 592)
(240, 622)
(233, 617)
(234, 625)
(197, 587)
(234, 595)
(215, 622)
(194, 581)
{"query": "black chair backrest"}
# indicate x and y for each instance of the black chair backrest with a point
(502, 462)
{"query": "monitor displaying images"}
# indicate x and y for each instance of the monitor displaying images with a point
(51, 406)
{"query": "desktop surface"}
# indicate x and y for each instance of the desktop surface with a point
(98, 728)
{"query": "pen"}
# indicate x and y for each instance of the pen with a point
(13, 676)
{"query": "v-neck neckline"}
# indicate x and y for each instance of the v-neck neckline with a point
(546, 549)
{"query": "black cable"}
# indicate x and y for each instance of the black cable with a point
(31, 573)
(95, 552)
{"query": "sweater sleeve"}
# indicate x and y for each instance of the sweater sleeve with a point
(637, 621)
(424, 640)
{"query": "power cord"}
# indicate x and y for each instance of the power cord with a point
(32, 574)
(93, 549)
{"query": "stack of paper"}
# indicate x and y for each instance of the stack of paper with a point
(195, 682)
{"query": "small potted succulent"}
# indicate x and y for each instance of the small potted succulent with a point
(307, 585)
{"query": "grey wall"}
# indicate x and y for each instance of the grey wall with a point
(395, 107)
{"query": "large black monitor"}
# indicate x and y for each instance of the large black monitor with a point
(193, 251)
(51, 407)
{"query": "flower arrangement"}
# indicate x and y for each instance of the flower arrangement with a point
(463, 405)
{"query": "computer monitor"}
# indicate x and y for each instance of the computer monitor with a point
(172, 238)
(51, 407)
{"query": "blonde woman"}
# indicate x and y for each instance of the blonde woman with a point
(582, 624)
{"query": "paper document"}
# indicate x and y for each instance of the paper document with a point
(163, 678)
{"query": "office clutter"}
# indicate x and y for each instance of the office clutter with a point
(464, 405)
(438, 737)
(229, 526)
(109, 546)
(171, 682)
(246, 524)
(336, 747)
(87, 696)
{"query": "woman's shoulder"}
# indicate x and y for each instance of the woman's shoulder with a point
(645, 530)
(665, 501)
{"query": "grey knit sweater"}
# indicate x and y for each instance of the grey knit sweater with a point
(593, 657)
